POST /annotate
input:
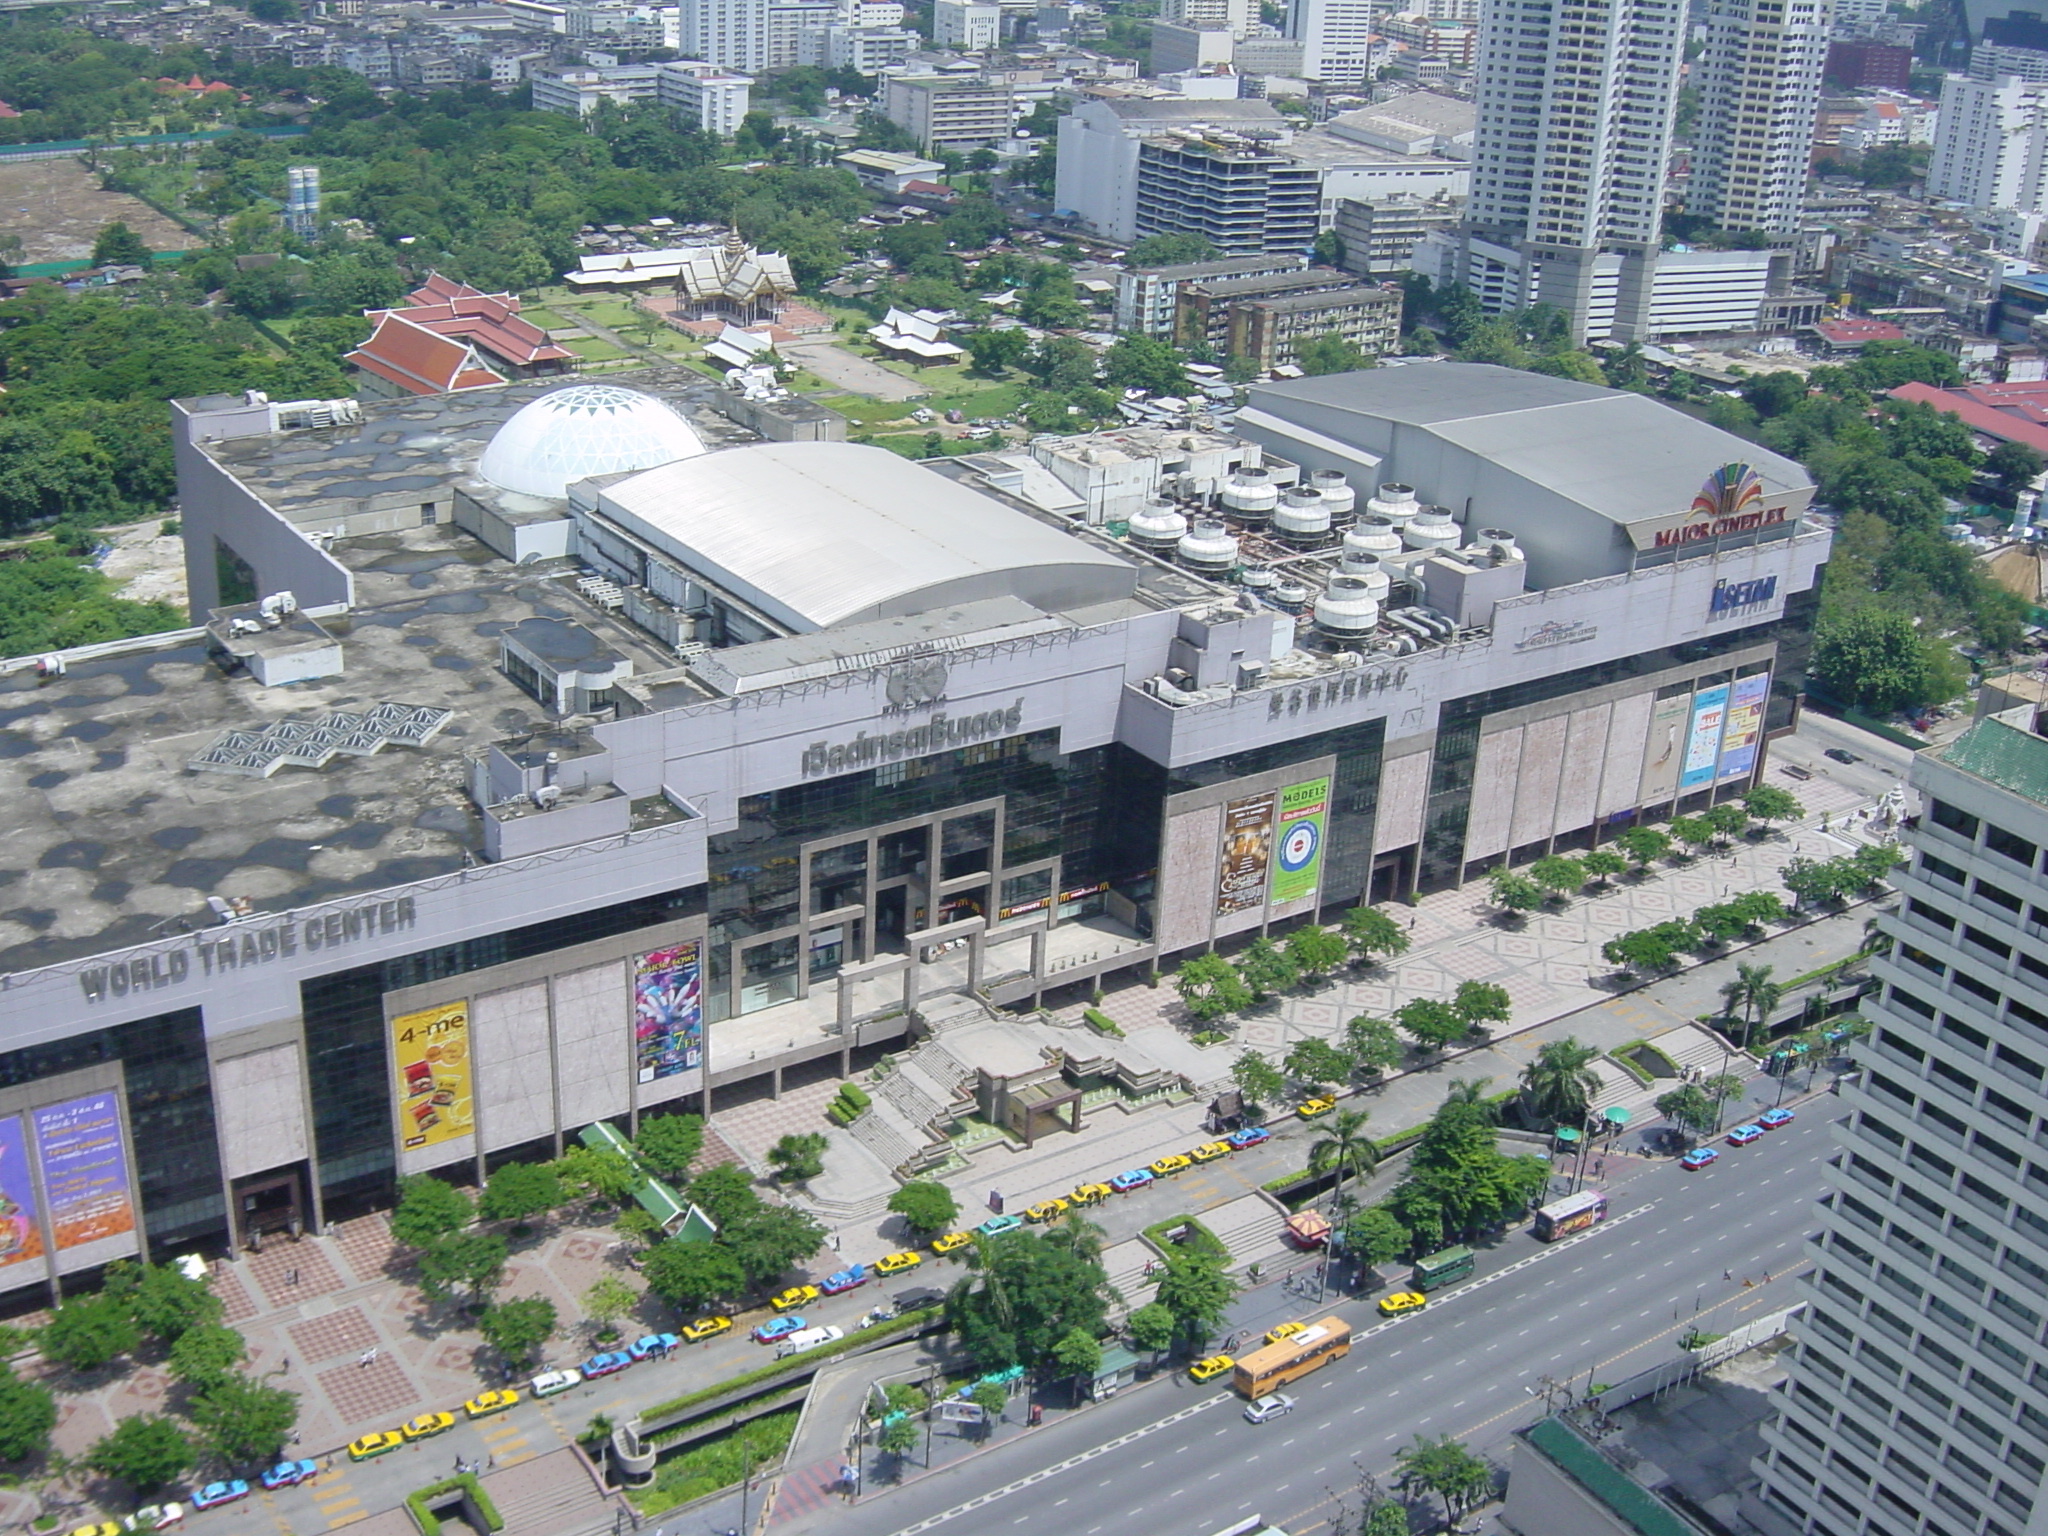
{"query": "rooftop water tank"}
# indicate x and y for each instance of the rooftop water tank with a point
(1347, 610)
(1373, 535)
(1302, 519)
(1208, 548)
(1250, 495)
(1157, 527)
(1337, 494)
(1496, 546)
(1291, 595)
(1367, 568)
(1257, 578)
(1395, 502)
(1431, 528)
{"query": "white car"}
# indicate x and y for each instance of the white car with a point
(1269, 1407)
(548, 1383)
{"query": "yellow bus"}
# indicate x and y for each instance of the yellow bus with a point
(1267, 1370)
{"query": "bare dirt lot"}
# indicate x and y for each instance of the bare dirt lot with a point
(57, 207)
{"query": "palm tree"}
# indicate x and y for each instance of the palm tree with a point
(1345, 1147)
(1754, 993)
(1084, 1239)
(1561, 1082)
(1472, 1090)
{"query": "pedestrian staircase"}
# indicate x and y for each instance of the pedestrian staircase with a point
(916, 1099)
(1695, 1051)
(550, 1496)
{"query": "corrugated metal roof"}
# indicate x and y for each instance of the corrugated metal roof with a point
(820, 534)
(2009, 757)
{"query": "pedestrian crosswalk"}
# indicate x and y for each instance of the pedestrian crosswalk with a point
(335, 1503)
(506, 1444)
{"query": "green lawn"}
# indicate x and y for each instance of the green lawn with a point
(591, 350)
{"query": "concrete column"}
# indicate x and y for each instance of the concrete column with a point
(775, 1088)
(975, 956)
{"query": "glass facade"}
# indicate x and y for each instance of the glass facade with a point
(170, 1116)
(347, 1056)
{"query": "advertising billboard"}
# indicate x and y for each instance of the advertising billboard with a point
(1298, 846)
(430, 1053)
(21, 1235)
(1745, 725)
(85, 1170)
(1703, 741)
(1247, 853)
(1660, 756)
(668, 1010)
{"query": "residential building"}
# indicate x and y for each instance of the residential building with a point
(577, 89)
(1179, 46)
(1381, 235)
(2013, 44)
(1888, 118)
(949, 111)
(1236, 17)
(1269, 333)
(1263, 53)
(1991, 143)
(751, 36)
(1244, 197)
(1455, 44)
(1860, 64)
(867, 49)
(1214, 312)
(972, 26)
(715, 98)
(1759, 79)
(626, 25)
(788, 23)
(1336, 39)
(1146, 297)
(302, 200)
(1575, 108)
(1911, 1403)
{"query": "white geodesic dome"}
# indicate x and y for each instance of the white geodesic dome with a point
(587, 429)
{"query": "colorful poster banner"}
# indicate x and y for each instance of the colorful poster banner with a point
(1661, 753)
(1298, 849)
(668, 1010)
(1745, 725)
(85, 1170)
(1247, 852)
(21, 1235)
(430, 1050)
(1703, 742)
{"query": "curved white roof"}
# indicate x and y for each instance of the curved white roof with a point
(584, 430)
(822, 534)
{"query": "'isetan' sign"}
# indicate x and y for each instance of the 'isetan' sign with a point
(242, 946)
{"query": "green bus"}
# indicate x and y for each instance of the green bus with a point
(1436, 1270)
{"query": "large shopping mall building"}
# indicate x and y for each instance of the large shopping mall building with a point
(550, 754)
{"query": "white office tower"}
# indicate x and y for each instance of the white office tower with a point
(1575, 108)
(733, 33)
(1989, 144)
(302, 200)
(1237, 15)
(1759, 78)
(1916, 1405)
(1335, 38)
(972, 26)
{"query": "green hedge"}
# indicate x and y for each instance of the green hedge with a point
(1204, 1238)
(855, 1095)
(1640, 1074)
(1102, 1023)
(908, 1322)
(839, 1114)
(430, 1523)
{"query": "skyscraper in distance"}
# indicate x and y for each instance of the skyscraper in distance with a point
(1759, 79)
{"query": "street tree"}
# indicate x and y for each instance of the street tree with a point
(1656, 948)
(991, 1397)
(692, 1276)
(28, 1412)
(1079, 1352)
(1257, 1078)
(799, 1156)
(1560, 1082)
(1480, 1003)
(518, 1191)
(925, 1206)
(608, 1299)
(1696, 832)
(1442, 1466)
(1373, 935)
(1753, 994)
(725, 1193)
(1513, 892)
(208, 1354)
(1375, 1236)
(2014, 466)
(1727, 820)
(1718, 922)
(145, 1452)
(1768, 803)
(896, 1441)
(1431, 1023)
(1265, 969)
(518, 1329)
(1559, 874)
(1028, 1293)
(1386, 1518)
(1344, 1149)
(668, 1144)
(1198, 1292)
(1317, 1065)
(243, 1422)
(1317, 951)
(1331, 353)
(1374, 1046)
(1458, 1181)
(600, 1172)
(1211, 989)
(1471, 1092)
(1151, 1327)
(1602, 865)
(1644, 846)
(163, 1300)
(772, 1240)
(429, 1210)
(1689, 1107)
(471, 1262)
(87, 1333)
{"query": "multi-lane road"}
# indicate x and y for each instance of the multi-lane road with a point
(1179, 1459)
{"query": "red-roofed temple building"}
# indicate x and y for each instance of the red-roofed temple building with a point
(451, 336)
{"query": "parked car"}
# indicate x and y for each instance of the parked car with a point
(807, 1338)
(1171, 1164)
(1771, 1119)
(371, 1445)
(1310, 1109)
(484, 1404)
(216, 1494)
(609, 1363)
(706, 1328)
(1841, 755)
(155, 1517)
(103, 1528)
(1130, 1179)
(1250, 1136)
(1211, 1368)
(652, 1344)
(289, 1474)
(1268, 1408)
(1209, 1151)
(427, 1425)
(949, 1241)
(1089, 1194)
(1047, 1210)
(778, 1328)
(548, 1383)
(846, 1280)
(898, 1263)
(1698, 1157)
(1284, 1332)
(796, 1296)
(956, 417)
(996, 1226)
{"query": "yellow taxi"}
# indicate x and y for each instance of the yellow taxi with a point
(484, 1404)
(706, 1328)
(951, 1241)
(1089, 1194)
(427, 1425)
(1309, 1109)
(1403, 1301)
(1209, 1151)
(796, 1296)
(1285, 1332)
(375, 1445)
(1171, 1164)
(1047, 1210)
(897, 1263)
(1211, 1368)
(104, 1528)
